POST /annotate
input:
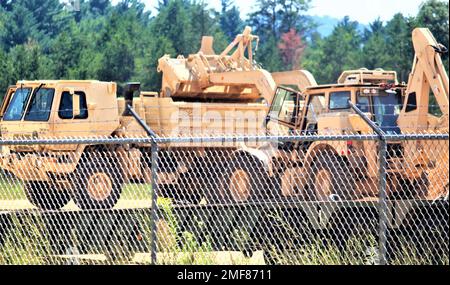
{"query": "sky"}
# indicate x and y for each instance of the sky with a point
(363, 11)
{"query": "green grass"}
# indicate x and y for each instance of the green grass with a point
(26, 242)
(137, 192)
(13, 190)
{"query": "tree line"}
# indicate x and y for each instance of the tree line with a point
(94, 39)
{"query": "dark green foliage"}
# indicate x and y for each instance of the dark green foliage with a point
(44, 39)
(272, 19)
(328, 57)
(230, 20)
(382, 45)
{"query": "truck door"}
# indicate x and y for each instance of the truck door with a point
(6, 100)
(72, 118)
(283, 114)
(315, 106)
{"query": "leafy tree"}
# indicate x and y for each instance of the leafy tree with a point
(399, 48)
(146, 66)
(272, 19)
(374, 52)
(340, 51)
(204, 22)
(66, 51)
(275, 17)
(172, 22)
(291, 48)
(269, 56)
(43, 39)
(99, 7)
(19, 24)
(231, 23)
(26, 61)
(433, 14)
(6, 74)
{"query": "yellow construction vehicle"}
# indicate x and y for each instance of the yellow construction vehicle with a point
(202, 95)
(208, 77)
(324, 170)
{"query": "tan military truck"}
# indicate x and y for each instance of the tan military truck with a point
(348, 170)
(202, 95)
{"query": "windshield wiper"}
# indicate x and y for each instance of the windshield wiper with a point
(39, 88)
(34, 93)
(21, 90)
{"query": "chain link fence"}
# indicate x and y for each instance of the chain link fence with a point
(353, 199)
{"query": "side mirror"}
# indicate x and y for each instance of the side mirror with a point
(76, 105)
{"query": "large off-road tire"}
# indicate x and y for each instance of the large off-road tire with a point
(244, 179)
(97, 183)
(330, 178)
(45, 196)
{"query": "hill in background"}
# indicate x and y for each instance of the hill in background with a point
(326, 25)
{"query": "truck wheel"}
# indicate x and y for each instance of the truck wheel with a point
(330, 178)
(244, 179)
(44, 196)
(98, 184)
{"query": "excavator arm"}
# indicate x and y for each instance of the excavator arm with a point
(427, 74)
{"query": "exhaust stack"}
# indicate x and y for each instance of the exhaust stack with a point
(128, 94)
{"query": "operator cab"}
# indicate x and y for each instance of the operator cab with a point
(374, 92)
(58, 108)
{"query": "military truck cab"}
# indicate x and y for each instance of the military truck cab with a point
(64, 108)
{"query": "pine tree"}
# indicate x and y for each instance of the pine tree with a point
(375, 50)
(172, 22)
(433, 14)
(338, 52)
(231, 23)
(399, 46)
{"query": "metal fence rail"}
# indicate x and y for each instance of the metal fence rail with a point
(353, 199)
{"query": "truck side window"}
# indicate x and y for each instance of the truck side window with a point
(339, 100)
(40, 105)
(65, 107)
(316, 106)
(277, 103)
(363, 103)
(287, 112)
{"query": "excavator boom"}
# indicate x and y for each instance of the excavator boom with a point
(427, 74)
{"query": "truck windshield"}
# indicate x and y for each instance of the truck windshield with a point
(40, 105)
(17, 105)
(387, 109)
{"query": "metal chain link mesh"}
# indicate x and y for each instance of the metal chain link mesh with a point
(287, 201)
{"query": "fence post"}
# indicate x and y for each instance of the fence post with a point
(154, 208)
(382, 201)
(154, 173)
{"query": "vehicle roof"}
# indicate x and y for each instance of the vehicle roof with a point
(55, 82)
(329, 86)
